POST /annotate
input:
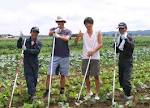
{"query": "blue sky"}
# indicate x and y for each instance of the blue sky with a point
(21, 15)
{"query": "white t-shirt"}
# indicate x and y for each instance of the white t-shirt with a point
(89, 43)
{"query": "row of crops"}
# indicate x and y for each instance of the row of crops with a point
(9, 56)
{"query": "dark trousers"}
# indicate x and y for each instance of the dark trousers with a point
(125, 70)
(31, 75)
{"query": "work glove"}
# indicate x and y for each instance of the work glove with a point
(121, 46)
(56, 35)
(124, 36)
(57, 30)
(24, 47)
(32, 42)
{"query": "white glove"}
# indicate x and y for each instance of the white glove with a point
(57, 30)
(121, 46)
(124, 36)
(56, 35)
(24, 47)
(32, 42)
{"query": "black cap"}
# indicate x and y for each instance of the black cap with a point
(122, 25)
(35, 29)
(88, 20)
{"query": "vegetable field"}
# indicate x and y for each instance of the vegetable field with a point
(9, 56)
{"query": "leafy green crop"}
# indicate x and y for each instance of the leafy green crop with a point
(9, 56)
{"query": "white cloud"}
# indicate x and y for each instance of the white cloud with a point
(23, 14)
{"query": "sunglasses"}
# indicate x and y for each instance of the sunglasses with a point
(121, 28)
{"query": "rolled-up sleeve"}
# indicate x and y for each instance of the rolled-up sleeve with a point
(69, 33)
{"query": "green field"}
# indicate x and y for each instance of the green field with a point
(9, 56)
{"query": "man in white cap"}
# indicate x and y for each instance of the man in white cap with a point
(61, 54)
(125, 47)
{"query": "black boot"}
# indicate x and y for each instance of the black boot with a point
(62, 90)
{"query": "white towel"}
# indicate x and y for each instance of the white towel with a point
(123, 37)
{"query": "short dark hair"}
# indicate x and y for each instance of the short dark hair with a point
(88, 20)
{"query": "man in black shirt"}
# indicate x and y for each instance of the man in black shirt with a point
(31, 65)
(125, 47)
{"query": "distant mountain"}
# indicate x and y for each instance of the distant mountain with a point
(134, 33)
(109, 33)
